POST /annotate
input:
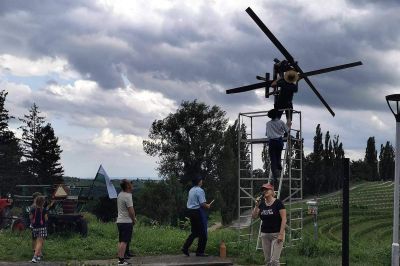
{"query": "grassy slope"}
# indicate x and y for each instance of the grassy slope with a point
(371, 206)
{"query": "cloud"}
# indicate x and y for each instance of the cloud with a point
(25, 67)
(175, 50)
(85, 104)
(120, 142)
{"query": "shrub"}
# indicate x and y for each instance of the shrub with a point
(308, 247)
(104, 208)
(89, 217)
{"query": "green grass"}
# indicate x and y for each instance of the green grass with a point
(102, 240)
(370, 236)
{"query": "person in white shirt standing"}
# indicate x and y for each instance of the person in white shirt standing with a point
(276, 129)
(125, 220)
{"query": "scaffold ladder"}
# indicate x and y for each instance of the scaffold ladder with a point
(290, 181)
(291, 177)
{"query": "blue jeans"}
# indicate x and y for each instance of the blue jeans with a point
(275, 152)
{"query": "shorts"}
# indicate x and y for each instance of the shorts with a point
(40, 232)
(125, 232)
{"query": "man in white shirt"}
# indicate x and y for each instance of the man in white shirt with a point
(125, 220)
(275, 131)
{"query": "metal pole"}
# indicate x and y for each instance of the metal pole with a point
(345, 212)
(239, 138)
(395, 244)
(315, 227)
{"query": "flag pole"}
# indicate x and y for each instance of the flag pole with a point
(94, 179)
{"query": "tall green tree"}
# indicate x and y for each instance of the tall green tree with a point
(323, 167)
(228, 174)
(386, 161)
(371, 160)
(10, 151)
(33, 123)
(189, 141)
(50, 170)
(313, 165)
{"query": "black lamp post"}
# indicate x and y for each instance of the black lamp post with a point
(393, 103)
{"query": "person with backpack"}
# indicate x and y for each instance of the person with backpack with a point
(38, 216)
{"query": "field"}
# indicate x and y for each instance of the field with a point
(370, 236)
(371, 207)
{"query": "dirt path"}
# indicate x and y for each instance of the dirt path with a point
(214, 227)
(163, 260)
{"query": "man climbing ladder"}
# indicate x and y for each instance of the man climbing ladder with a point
(275, 131)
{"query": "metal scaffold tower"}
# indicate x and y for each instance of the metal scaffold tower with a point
(290, 189)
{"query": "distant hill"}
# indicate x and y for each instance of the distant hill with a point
(100, 190)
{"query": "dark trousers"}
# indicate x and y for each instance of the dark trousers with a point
(275, 152)
(198, 230)
(288, 111)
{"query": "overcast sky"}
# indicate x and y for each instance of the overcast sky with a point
(103, 71)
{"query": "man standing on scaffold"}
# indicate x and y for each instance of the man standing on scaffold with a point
(288, 86)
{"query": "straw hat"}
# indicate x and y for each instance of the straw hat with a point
(291, 76)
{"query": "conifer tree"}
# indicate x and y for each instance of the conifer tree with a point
(10, 151)
(32, 126)
(50, 170)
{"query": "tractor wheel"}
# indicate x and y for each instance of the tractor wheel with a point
(17, 226)
(51, 227)
(82, 227)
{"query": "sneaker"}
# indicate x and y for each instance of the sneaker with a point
(34, 259)
(123, 262)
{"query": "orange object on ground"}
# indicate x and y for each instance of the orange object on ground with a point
(222, 250)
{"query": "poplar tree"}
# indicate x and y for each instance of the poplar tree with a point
(371, 160)
(386, 161)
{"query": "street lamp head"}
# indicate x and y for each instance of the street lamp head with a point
(394, 99)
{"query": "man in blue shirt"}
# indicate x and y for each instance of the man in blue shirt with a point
(196, 206)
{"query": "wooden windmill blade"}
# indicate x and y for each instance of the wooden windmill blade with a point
(287, 55)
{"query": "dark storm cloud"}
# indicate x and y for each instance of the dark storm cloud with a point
(204, 46)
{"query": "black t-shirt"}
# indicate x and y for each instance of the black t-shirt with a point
(270, 216)
(285, 97)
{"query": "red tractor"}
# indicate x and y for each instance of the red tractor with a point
(6, 219)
